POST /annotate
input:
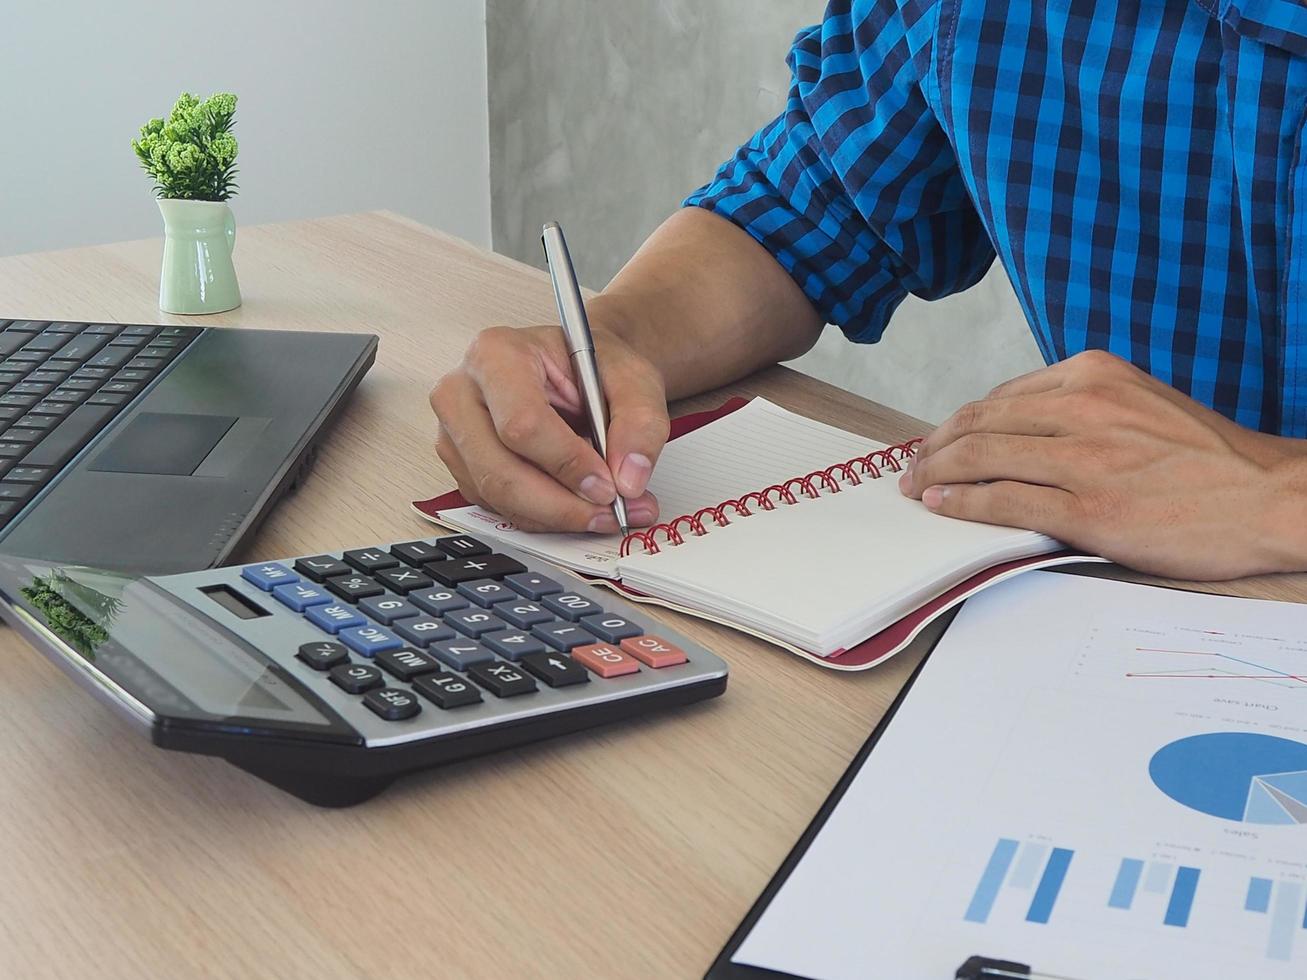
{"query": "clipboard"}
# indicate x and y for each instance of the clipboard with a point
(722, 967)
(1186, 867)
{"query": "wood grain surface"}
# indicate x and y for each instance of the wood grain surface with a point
(629, 851)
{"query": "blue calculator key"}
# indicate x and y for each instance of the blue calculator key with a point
(563, 636)
(423, 631)
(533, 586)
(386, 609)
(611, 628)
(571, 606)
(369, 640)
(486, 592)
(460, 654)
(333, 618)
(523, 614)
(474, 622)
(268, 577)
(300, 595)
(437, 601)
(513, 645)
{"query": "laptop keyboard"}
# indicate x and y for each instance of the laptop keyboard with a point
(61, 384)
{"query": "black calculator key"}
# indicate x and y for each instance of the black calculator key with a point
(406, 664)
(514, 644)
(556, 670)
(36, 421)
(323, 655)
(462, 546)
(563, 636)
(571, 606)
(610, 628)
(353, 587)
(461, 570)
(404, 579)
(321, 567)
(447, 690)
(12, 450)
(392, 704)
(474, 622)
(501, 679)
(417, 553)
(437, 601)
(486, 592)
(370, 559)
(356, 678)
(533, 586)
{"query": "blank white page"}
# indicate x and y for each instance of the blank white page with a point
(825, 573)
(754, 447)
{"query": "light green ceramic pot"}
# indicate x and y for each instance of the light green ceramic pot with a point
(198, 275)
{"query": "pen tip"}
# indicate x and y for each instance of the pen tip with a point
(625, 530)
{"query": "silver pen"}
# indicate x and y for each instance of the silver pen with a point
(576, 331)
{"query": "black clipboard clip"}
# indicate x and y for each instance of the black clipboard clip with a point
(988, 968)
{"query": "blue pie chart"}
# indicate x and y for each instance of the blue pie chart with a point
(1240, 776)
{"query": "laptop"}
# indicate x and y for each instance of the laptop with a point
(158, 449)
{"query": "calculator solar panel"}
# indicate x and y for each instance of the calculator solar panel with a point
(330, 675)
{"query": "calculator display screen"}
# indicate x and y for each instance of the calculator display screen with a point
(176, 663)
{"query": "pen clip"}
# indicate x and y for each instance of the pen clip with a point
(567, 291)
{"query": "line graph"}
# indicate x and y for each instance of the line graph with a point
(1210, 671)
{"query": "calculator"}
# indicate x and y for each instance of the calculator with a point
(332, 675)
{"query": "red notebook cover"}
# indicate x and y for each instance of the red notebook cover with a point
(876, 648)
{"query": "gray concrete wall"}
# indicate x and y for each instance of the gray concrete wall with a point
(605, 113)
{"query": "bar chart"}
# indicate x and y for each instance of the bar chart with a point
(1156, 877)
(1023, 866)
(1026, 879)
(1284, 903)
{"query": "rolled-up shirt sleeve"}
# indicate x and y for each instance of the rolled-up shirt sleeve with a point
(855, 188)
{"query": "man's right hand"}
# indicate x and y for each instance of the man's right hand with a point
(511, 420)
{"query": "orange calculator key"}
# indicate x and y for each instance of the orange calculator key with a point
(605, 660)
(654, 651)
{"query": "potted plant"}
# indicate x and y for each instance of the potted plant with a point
(191, 156)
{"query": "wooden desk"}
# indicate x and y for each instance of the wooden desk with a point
(632, 850)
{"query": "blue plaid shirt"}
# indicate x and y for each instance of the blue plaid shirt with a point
(1138, 167)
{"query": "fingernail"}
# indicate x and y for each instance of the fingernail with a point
(905, 481)
(597, 489)
(641, 513)
(633, 475)
(603, 524)
(934, 497)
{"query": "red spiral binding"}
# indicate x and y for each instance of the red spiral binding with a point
(830, 478)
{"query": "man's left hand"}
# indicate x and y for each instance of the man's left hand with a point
(1107, 459)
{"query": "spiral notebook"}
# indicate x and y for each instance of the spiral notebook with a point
(789, 529)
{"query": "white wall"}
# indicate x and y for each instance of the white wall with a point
(345, 105)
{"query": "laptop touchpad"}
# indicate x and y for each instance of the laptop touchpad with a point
(167, 444)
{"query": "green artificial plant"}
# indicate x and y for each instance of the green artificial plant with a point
(191, 155)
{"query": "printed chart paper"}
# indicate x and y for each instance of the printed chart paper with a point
(1103, 780)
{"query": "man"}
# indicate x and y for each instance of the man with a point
(1140, 170)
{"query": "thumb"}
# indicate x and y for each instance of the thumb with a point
(637, 424)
